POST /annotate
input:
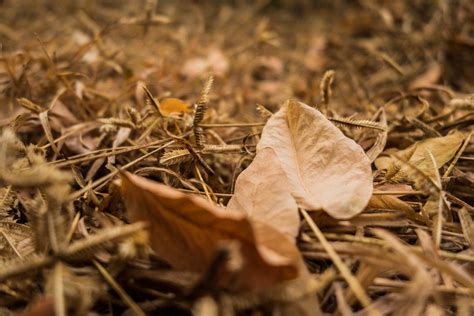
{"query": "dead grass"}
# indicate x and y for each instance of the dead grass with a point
(82, 83)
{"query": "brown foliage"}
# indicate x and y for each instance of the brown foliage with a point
(186, 231)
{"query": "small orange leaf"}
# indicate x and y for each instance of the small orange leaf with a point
(185, 231)
(173, 105)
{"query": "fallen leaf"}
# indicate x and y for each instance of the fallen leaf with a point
(218, 62)
(61, 116)
(390, 202)
(315, 59)
(430, 76)
(402, 187)
(195, 67)
(443, 150)
(173, 105)
(185, 231)
(215, 62)
(324, 169)
(266, 198)
(41, 307)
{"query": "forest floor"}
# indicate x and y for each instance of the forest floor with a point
(236, 157)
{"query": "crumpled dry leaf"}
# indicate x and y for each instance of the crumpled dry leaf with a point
(41, 307)
(324, 169)
(390, 202)
(266, 198)
(185, 231)
(443, 150)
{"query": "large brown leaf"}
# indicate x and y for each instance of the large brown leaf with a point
(185, 231)
(324, 169)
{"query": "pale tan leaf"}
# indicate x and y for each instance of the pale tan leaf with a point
(443, 150)
(324, 169)
(261, 193)
(43, 117)
(185, 231)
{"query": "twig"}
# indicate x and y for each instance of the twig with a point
(117, 288)
(354, 284)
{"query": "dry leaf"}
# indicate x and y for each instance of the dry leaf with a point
(402, 187)
(442, 149)
(185, 231)
(42, 307)
(430, 76)
(389, 202)
(173, 105)
(315, 59)
(266, 198)
(324, 169)
(215, 62)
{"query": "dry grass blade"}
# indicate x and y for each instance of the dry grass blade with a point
(27, 104)
(43, 117)
(20, 266)
(381, 139)
(353, 283)
(120, 291)
(117, 122)
(264, 112)
(325, 88)
(86, 248)
(467, 225)
(153, 101)
(201, 107)
(357, 123)
(418, 260)
(58, 289)
(175, 157)
(458, 154)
